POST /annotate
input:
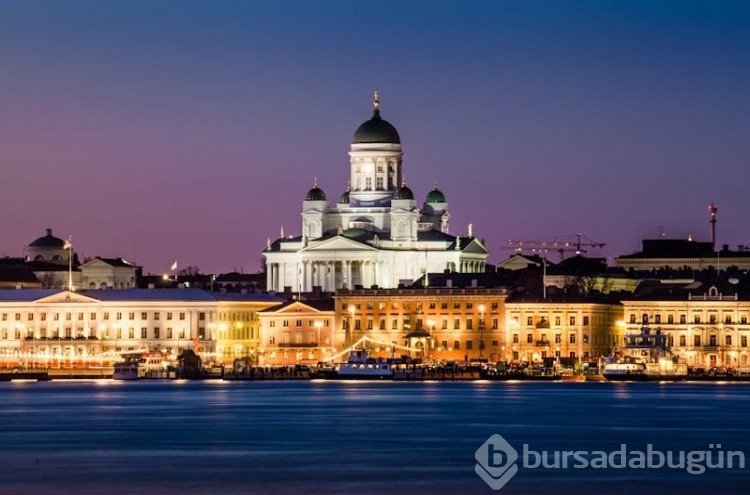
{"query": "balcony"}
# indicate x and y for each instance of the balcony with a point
(542, 343)
(61, 339)
(298, 345)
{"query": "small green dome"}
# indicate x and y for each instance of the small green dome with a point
(344, 199)
(403, 192)
(316, 193)
(435, 196)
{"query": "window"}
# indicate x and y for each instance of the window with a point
(444, 305)
(469, 324)
(469, 345)
(683, 319)
(456, 323)
(573, 354)
(68, 316)
(272, 324)
(494, 343)
(696, 318)
(131, 316)
(572, 338)
(444, 344)
(469, 305)
(368, 183)
(369, 305)
(432, 305)
(382, 324)
(712, 318)
(557, 321)
(369, 323)
(585, 320)
(44, 317)
(169, 332)
(201, 316)
(529, 338)
(572, 320)
(358, 324)
(271, 340)
(743, 320)
(169, 315)
(444, 324)
(456, 305)
(683, 341)
(743, 340)
(494, 323)
(712, 340)
(144, 316)
(394, 324)
(494, 305)
(585, 338)
(697, 340)
(657, 319)
(182, 316)
(670, 319)
(728, 340)
(558, 338)
(632, 318)
(156, 316)
(156, 332)
(379, 183)
(727, 318)
(284, 323)
(144, 332)
(529, 320)
(456, 344)
(131, 333)
(515, 338)
(298, 323)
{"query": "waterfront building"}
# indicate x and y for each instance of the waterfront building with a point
(570, 328)
(707, 323)
(61, 328)
(108, 273)
(375, 234)
(237, 328)
(432, 323)
(684, 254)
(297, 331)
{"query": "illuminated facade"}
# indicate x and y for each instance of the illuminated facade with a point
(578, 331)
(297, 331)
(434, 324)
(59, 328)
(375, 235)
(707, 329)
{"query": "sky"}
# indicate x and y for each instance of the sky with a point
(192, 130)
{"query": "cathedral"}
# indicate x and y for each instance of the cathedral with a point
(375, 235)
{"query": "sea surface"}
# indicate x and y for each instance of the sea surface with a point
(292, 437)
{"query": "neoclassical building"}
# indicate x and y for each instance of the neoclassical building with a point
(375, 234)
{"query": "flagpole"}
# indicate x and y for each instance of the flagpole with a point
(69, 246)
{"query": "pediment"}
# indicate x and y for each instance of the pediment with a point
(338, 243)
(96, 263)
(296, 307)
(67, 297)
(475, 247)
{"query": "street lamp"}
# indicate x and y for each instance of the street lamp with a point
(431, 324)
(481, 332)
(318, 325)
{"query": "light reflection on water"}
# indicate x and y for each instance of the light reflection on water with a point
(344, 437)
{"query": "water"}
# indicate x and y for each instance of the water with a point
(355, 437)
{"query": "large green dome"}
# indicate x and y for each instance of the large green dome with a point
(376, 130)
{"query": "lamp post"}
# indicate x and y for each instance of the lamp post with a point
(431, 324)
(318, 325)
(481, 332)
(349, 325)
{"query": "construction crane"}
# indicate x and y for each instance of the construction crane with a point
(561, 244)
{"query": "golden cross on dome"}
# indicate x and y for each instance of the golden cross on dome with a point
(375, 101)
(315, 182)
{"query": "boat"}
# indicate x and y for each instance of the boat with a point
(360, 366)
(645, 356)
(143, 365)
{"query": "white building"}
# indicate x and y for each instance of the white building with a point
(375, 235)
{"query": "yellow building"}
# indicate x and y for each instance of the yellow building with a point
(574, 330)
(237, 327)
(706, 327)
(434, 324)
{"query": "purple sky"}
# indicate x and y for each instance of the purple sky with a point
(192, 130)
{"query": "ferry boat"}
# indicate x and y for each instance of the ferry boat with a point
(137, 366)
(360, 366)
(644, 357)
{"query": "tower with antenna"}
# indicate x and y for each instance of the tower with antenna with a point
(712, 209)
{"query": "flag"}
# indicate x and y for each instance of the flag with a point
(174, 266)
(68, 244)
(196, 343)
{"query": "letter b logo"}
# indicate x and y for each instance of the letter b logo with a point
(496, 462)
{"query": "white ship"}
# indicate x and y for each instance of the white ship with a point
(138, 366)
(360, 366)
(644, 357)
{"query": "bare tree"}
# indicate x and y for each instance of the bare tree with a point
(189, 270)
